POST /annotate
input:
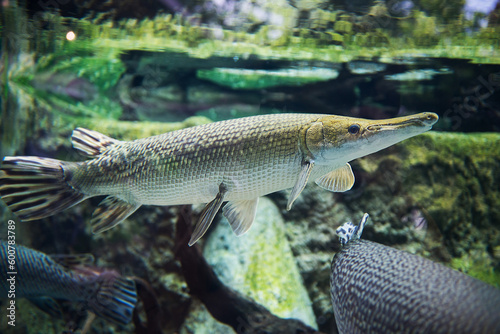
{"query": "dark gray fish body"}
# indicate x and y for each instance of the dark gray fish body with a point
(379, 289)
(37, 276)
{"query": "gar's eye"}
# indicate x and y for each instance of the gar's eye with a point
(353, 129)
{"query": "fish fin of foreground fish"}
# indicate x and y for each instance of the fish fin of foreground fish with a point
(111, 212)
(241, 214)
(90, 143)
(376, 288)
(36, 188)
(339, 180)
(208, 215)
(301, 183)
(115, 300)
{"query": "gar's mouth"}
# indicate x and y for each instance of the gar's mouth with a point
(394, 126)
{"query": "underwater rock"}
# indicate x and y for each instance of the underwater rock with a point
(260, 264)
(453, 178)
(258, 79)
(200, 321)
(310, 229)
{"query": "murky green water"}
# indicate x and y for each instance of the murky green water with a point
(133, 69)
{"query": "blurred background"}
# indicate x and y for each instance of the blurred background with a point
(132, 69)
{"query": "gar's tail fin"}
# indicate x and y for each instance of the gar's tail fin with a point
(36, 188)
(116, 298)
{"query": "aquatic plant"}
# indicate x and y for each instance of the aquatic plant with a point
(444, 10)
(104, 72)
(332, 36)
(478, 268)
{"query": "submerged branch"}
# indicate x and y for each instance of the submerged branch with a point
(225, 304)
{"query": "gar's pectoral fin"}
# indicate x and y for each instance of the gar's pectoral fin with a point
(241, 214)
(301, 183)
(110, 212)
(338, 180)
(207, 215)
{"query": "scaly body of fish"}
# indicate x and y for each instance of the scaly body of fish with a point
(379, 289)
(236, 160)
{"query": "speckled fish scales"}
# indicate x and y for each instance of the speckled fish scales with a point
(378, 289)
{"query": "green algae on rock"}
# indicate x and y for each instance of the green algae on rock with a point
(260, 264)
(102, 70)
(478, 266)
(200, 321)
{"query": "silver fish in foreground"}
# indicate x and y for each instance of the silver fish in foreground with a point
(40, 278)
(379, 289)
(236, 161)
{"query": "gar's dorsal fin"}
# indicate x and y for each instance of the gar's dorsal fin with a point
(90, 143)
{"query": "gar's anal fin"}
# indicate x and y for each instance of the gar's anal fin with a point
(110, 212)
(241, 214)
